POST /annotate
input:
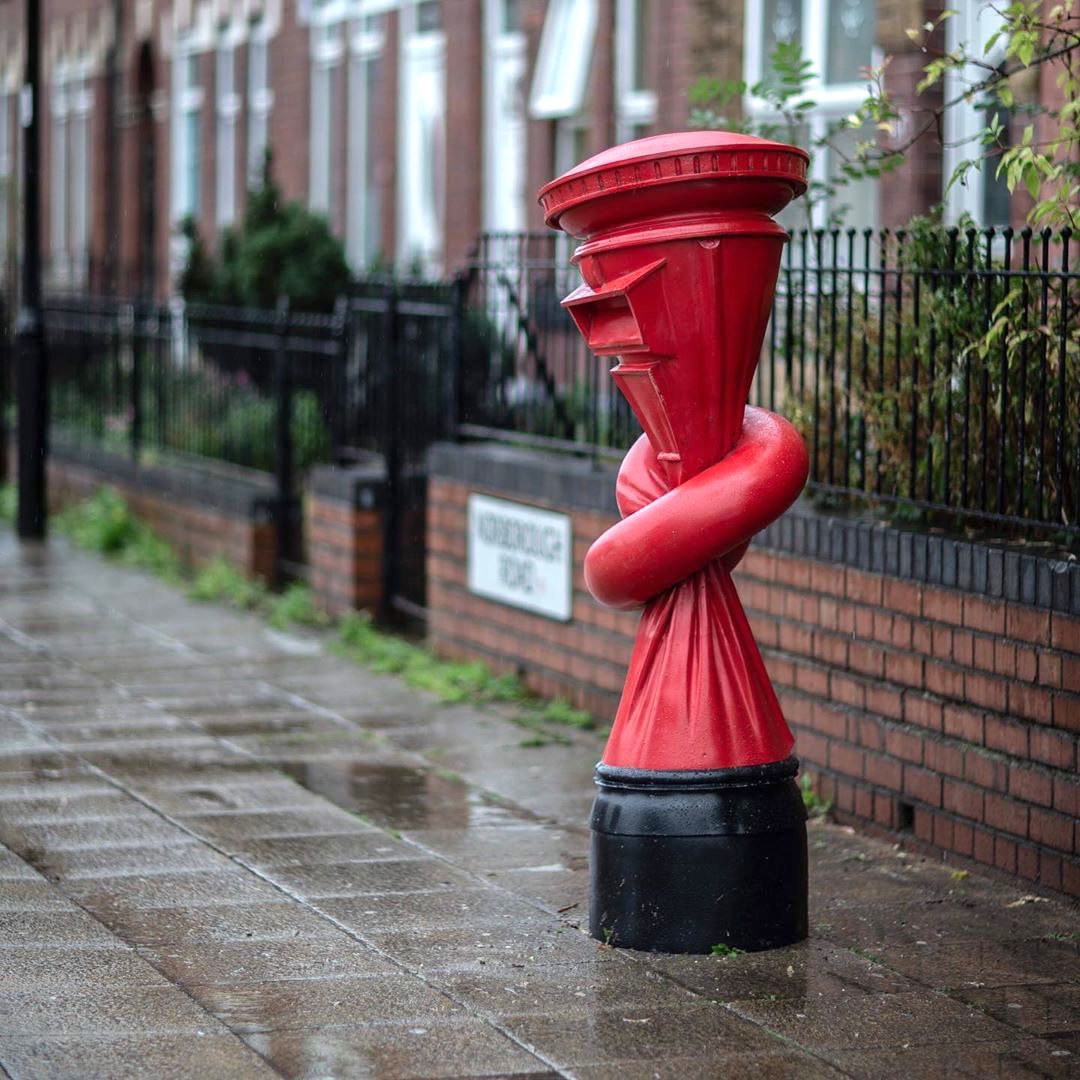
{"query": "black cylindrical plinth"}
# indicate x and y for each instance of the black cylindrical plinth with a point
(686, 860)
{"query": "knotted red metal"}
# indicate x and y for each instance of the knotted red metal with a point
(680, 261)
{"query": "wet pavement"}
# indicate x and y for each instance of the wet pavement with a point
(226, 852)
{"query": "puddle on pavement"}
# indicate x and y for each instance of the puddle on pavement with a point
(395, 796)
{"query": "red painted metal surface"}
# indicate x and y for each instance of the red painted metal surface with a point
(680, 260)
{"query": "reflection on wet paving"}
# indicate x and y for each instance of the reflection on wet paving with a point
(394, 796)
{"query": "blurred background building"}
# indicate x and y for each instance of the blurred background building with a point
(412, 125)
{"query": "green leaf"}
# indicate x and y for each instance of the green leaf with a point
(1032, 181)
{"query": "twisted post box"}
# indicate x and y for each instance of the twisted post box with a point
(698, 829)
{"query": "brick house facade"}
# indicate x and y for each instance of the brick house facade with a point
(413, 125)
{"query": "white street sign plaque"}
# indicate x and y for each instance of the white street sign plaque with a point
(521, 556)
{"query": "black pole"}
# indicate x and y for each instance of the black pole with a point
(283, 448)
(389, 383)
(31, 370)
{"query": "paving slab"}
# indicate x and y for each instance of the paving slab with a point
(161, 1056)
(226, 851)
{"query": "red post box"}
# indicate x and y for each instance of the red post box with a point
(698, 829)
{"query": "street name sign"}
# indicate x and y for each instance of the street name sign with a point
(521, 556)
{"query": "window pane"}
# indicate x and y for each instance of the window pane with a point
(996, 200)
(428, 18)
(191, 160)
(641, 39)
(855, 203)
(851, 39)
(562, 64)
(258, 104)
(510, 22)
(372, 209)
(782, 22)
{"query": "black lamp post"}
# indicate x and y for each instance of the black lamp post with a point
(31, 361)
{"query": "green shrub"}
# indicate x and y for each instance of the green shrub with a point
(103, 523)
(280, 249)
(979, 356)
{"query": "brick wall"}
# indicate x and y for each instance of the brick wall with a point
(344, 528)
(202, 518)
(933, 685)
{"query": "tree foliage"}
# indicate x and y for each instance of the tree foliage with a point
(1045, 159)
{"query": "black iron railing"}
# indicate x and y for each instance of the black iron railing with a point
(934, 373)
(526, 374)
(276, 391)
(160, 380)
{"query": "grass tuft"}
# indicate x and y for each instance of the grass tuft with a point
(220, 581)
(816, 807)
(106, 524)
(296, 607)
(726, 951)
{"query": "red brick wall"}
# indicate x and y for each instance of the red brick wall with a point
(932, 714)
(345, 548)
(463, 23)
(198, 533)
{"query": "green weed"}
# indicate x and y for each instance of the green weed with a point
(103, 523)
(726, 951)
(106, 524)
(9, 501)
(296, 606)
(816, 807)
(560, 711)
(220, 581)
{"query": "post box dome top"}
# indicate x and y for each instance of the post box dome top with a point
(679, 173)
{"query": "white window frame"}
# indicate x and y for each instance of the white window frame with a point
(635, 106)
(228, 103)
(260, 100)
(366, 46)
(833, 101)
(563, 60)
(973, 26)
(327, 50)
(187, 100)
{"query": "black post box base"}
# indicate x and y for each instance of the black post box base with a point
(683, 861)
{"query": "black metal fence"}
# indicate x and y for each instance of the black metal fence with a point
(934, 372)
(277, 391)
(527, 376)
